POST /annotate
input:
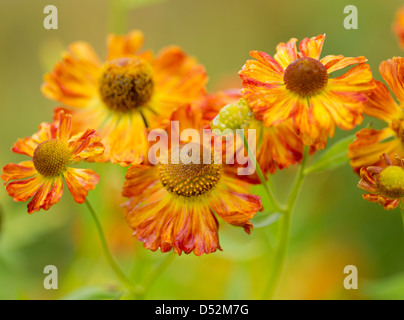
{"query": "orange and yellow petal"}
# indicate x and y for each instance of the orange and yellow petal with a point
(272, 106)
(174, 223)
(264, 71)
(380, 104)
(280, 147)
(48, 194)
(139, 183)
(21, 170)
(188, 117)
(343, 109)
(287, 106)
(357, 79)
(45, 192)
(80, 182)
(370, 144)
(388, 204)
(392, 71)
(119, 46)
(312, 47)
(86, 145)
(25, 146)
(64, 123)
(367, 181)
(313, 124)
(22, 190)
(73, 81)
(234, 207)
(125, 139)
(179, 80)
(333, 63)
(46, 132)
(286, 53)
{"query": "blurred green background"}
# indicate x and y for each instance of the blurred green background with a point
(332, 225)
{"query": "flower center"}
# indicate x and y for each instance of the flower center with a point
(191, 176)
(51, 157)
(305, 76)
(126, 84)
(391, 182)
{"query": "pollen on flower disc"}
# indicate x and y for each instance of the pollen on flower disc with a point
(51, 157)
(391, 182)
(190, 176)
(126, 84)
(305, 76)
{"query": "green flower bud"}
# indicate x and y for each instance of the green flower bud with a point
(231, 116)
(391, 182)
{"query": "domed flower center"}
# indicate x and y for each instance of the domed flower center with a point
(305, 76)
(191, 176)
(51, 157)
(391, 182)
(126, 84)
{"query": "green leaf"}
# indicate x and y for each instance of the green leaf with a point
(263, 219)
(333, 158)
(93, 293)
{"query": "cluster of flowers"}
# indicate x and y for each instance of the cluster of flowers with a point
(109, 107)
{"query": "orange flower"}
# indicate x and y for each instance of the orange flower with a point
(398, 26)
(52, 149)
(371, 143)
(296, 85)
(277, 146)
(386, 185)
(173, 205)
(127, 94)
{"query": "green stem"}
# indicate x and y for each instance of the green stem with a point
(155, 273)
(276, 205)
(402, 211)
(117, 270)
(279, 259)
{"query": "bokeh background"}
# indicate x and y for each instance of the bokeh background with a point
(332, 225)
